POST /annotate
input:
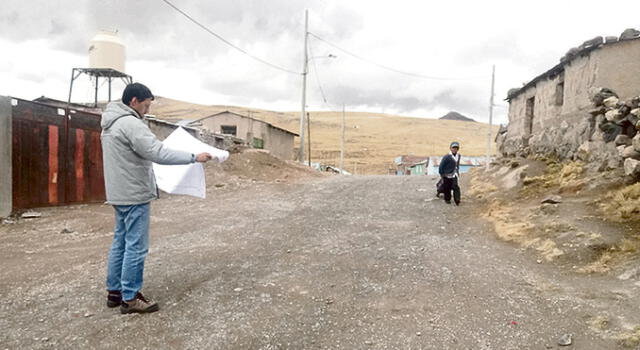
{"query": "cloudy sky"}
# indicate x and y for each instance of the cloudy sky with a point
(456, 42)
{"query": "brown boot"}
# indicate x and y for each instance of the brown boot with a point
(139, 305)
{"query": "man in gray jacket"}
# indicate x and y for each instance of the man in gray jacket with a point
(128, 150)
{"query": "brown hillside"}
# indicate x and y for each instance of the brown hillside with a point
(372, 140)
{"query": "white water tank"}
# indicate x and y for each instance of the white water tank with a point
(106, 50)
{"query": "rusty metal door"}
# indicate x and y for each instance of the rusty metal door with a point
(56, 160)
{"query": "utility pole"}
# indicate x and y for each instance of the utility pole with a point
(309, 137)
(489, 134)
(342, 143)
(304, 86)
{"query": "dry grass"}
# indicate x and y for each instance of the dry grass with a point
(601, 265)
(373, 140)
(565, 177)
(630, 339)
(480, 188)
(511, 229)
(599, 323)
(623, 204)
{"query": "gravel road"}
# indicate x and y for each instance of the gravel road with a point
(362, 262)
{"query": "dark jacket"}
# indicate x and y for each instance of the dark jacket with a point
(449, 166)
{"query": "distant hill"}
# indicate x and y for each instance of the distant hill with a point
(456, 116)
(372, 140)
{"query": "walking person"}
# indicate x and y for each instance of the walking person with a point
(450, 172)
(128, 150)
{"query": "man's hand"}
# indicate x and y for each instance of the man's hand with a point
(203, 157)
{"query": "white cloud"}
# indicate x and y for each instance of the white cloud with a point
(45, 39)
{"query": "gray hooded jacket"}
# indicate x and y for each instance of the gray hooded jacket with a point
(128, 150)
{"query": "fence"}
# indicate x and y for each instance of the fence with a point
(56, 156)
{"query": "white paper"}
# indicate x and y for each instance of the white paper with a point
(188, 178)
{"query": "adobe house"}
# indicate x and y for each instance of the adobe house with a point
(550, 113)
(256, 133)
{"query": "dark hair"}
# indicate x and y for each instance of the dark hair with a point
(137, 90)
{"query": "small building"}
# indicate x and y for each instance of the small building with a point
(255, 133)
(466, 164)
(419, 168)
(550, 113)
(405, 162)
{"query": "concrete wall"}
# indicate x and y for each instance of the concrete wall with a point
(246, 128)
(6, 197)
(278, 142)
(562, 129)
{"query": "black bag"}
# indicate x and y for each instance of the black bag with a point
(439, 187)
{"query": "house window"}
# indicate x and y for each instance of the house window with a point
(528, 126)
(258, 143)
(228, 129)
(560, 90)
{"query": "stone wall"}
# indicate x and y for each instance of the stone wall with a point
(563, 121)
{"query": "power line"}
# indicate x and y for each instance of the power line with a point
(315, 71)
(415, 75)
(227, 42)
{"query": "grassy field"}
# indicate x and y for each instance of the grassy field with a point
(372, 140)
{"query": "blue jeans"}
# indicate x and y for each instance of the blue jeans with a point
(128, 250)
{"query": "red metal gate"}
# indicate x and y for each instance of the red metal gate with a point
(56, 160)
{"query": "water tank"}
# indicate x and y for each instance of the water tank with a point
(106, 50)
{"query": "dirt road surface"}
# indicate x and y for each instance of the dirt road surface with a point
(368, 262)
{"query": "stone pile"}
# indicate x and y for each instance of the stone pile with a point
(619, 122)
(627, 34)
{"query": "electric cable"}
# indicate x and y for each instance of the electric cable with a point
(415, 75)
(228, 42)
(315, 71)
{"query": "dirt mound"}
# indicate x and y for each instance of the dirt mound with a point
(578, 230)
(252, 165)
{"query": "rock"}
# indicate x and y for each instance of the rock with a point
(552, 199)
(598, 110)
(630, 152)
(31, 214)
(610, 39)
(565, 340)
(635, 112)
(629, 33)
(635, 142)
(610, 130)
(65, 230)
(598, 95)
(621, 149)
(622, 140)
(611, 101)
(635, 102)
(572, 53)
(632, 119)
(632, 167)
(512, 91)
(8, 222)
(597, 41)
